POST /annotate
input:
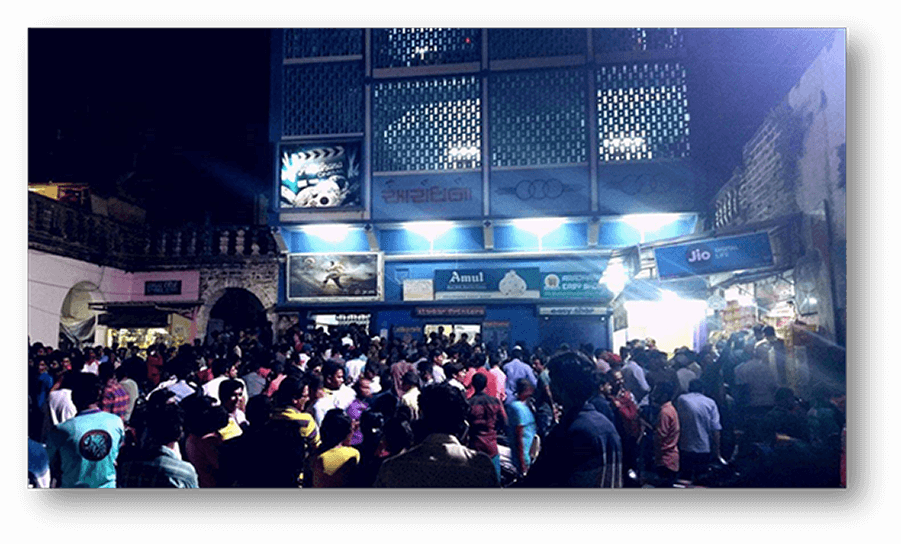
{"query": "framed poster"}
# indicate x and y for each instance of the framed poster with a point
(320, 175)
(335, 277)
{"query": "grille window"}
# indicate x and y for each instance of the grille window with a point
(642, 112)
(323, 98)
(322, 42)
(427, 124)
(406, 47)
(538, 118)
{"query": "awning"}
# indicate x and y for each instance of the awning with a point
(133, 315)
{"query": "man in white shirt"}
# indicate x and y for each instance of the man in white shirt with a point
(337, 393)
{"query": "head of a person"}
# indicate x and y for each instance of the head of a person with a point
(259, 408)
(398, 435)
(758, 331)
(292, 392)
(455, 371)
(106, 371)
(335, 429)
(517, 353)
(769, 332)
(86, 390)
(572, 378)
(436, 356)
(409, 380)
(220, 367)
(524, 388)
(663, 392)
(230, 393)
(332, 374)
(785, 398)
(479, 382)
(443, 408)
(363, 388)
(696, 386)
(164, 423)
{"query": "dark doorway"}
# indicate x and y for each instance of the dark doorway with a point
(238, 309)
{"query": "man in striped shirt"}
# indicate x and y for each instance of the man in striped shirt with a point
(583, 449)
(115, 399)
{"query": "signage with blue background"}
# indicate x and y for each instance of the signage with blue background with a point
(540, 191)
(427, 196)
(714, 255)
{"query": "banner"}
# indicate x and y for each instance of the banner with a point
(714, 255)
(573, 285)
(427, 196)
(501, 283)
(320, 176)
(540, 191)
(338, 277)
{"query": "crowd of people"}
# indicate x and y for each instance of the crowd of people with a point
(343, 408)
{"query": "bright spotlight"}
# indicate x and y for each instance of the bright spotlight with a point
(430, 230)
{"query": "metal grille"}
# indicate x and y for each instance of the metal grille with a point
(642, 112)
(322, 42)
(538, 118)
(427, 124)
(405, 47)
(323, 98)
(637, 39)
(517, 43)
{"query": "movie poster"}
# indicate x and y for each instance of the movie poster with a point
(335, 277)
(317, 176)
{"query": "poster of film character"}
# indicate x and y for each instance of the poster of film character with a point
(335, 277)
(317, 176)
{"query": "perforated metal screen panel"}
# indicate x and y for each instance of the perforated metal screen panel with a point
(517, 43)
(538, 118)
(636, 39)
(642, 112)
(426, 124)
(322, 42)
(405, 47)
(323, 98)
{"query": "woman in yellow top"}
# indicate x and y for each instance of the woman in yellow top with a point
(336, 462)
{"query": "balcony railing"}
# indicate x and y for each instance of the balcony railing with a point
(63, 229)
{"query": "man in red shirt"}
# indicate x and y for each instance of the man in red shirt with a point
(666, 434)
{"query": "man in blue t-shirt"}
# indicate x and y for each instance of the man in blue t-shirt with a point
(83, 450)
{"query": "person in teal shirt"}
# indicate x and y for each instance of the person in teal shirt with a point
(83, 450)
(522, 426)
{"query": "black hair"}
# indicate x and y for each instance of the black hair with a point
(289, 390)
(164, 423)
(86, 390)
(479, 382)
(696, 386)
(574, 373)
(410, 378)
(228, 387)
(259, 408)
(336, 426)
(443, 408)
(398, 435)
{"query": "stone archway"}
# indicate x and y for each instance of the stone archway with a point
(260, 280)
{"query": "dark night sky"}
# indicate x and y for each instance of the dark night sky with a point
(205, 93)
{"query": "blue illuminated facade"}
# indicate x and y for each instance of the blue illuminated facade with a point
(384, 130)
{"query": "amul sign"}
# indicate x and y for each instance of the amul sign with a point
(714, 255)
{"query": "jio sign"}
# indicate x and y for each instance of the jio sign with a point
(714, 255)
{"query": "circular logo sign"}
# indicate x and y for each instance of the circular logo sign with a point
(95, 445)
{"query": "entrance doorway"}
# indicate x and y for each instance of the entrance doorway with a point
(237, 309)
(457, 329)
